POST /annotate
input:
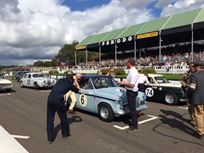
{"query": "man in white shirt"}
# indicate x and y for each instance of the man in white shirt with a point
(142, 80)
(132, 90)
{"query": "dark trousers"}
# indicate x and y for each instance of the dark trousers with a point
(61, 111)
(131, 97)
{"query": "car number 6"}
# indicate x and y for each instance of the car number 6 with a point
(83, 100)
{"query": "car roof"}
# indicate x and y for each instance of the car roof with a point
(94, 76)
(35, 73)
(154, 75)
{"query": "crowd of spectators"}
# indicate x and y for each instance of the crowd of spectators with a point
(174, 59)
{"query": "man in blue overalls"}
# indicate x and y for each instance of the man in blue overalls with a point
(56, 103)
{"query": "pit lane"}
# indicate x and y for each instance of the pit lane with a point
(23, 112)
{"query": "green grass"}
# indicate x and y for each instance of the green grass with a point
(176, 77)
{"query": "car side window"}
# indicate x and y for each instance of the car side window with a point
(151, 80)
(29, 75)
(85, 84)
(25, 75)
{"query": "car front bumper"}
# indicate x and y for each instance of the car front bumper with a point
(123, 110)
(5, 88)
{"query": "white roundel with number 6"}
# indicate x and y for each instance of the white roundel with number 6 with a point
(83, 100)
(149, 92)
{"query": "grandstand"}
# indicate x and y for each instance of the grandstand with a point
(172, 39)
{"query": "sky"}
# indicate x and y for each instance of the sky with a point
(32, 30)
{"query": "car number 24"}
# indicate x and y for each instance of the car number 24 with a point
(149, 92)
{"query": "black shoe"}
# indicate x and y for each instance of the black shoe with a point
(132, 129)
(71, 112)
(201, 137)
(65, 136)
(50, 141)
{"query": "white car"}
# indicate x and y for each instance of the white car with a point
(5, 85)
(37, 80)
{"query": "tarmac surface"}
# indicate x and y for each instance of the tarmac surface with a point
(163, 128)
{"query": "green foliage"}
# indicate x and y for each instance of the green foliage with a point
(148, 71)
(67, 53)
(43, 64)
(53, 72)
(176, 77)
(115, 71)
(104, 71)
(119, 71)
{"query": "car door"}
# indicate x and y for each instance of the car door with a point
(152, 90)
(23, 80)
(85, 97)
(33, 79)
(28, 80)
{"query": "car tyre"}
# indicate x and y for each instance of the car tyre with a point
(170, 99)
(105, 112)
(21, 84)
(35, 85)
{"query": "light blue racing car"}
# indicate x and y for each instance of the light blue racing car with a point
(101, 95)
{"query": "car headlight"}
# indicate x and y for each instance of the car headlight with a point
(120, 101)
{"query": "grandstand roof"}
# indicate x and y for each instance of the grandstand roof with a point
(164, 23)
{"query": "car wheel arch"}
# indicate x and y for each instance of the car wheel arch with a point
(35, 85)
(171, 94)
(109, 108)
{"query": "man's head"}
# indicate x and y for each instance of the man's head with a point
(69, 75)
(191, 67)
(130, 63)
(78, 76)
(199, 66)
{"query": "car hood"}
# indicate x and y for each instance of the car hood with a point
(4, 81)
(170, 85)
(114, 93)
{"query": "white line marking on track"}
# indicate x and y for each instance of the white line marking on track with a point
(44, 91)
(6, 94)
(183, 108)
(141, 122)
(8, 144)
(20, 137)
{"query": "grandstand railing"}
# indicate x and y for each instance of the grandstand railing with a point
(171, 69)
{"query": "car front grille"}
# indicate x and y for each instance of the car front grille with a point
(5, 85)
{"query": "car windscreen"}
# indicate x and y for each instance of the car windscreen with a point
(161, 79)
(37, 75)
(103, 82)
(46, 75)
(1, 76)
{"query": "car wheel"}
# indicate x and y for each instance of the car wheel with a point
(35, 85)
(21, 84)
(105, 112)
(170, 99)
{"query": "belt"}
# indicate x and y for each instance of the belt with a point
(131, 91)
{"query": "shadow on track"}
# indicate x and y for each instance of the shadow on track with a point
(175, 120)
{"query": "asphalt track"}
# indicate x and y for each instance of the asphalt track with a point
(163, 128)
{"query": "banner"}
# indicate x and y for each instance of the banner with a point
(80, 47)
(119, 40)
(147, 35)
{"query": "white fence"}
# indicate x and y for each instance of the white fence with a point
(171, 69)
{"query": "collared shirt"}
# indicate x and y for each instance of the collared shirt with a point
(132, 78)
(141, 82)
(142, 79)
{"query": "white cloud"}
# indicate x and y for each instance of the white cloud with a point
(37, 29)
(177, 6)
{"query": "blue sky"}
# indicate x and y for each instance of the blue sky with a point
(82, 5)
